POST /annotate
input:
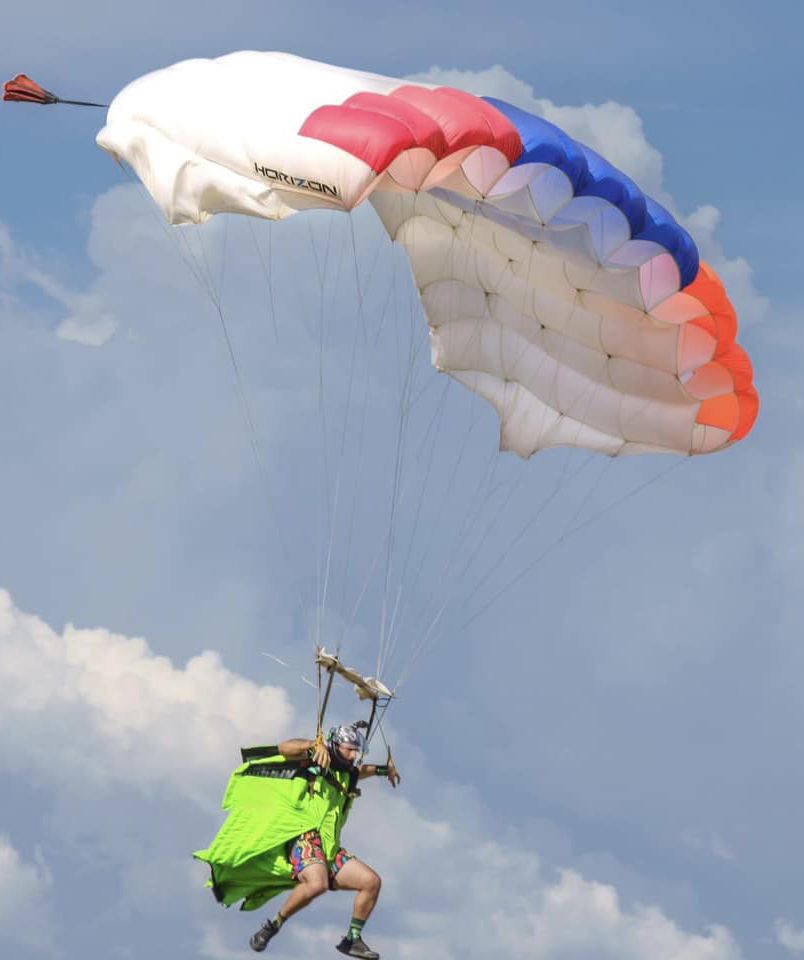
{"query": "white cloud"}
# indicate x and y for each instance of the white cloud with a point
(788, 936)
(25, 890)
(498, 891)
(585, 919)
(615, 130)
(94, 704)
(89, 320)
(89, 334)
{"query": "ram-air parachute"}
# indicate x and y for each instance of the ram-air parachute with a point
(552, 285)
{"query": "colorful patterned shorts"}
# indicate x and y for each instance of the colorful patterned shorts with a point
(308, 849)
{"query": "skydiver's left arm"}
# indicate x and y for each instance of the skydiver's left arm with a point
(374, 770)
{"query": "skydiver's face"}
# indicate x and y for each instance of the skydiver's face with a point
(347, 753)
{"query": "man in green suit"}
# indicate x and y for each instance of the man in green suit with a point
(288, 805)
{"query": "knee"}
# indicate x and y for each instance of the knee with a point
(316, 884)
(374, 883)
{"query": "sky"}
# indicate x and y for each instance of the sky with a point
(600, 742)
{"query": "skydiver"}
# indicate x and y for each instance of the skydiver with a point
(314, 871)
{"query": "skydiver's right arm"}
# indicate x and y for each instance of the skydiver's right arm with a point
(295, 749)
(298, 749)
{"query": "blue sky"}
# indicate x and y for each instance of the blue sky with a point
(606, 763)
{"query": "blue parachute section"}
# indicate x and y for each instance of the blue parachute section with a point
(592, 176)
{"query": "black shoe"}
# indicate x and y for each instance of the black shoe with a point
(356, 948)
(259, 940)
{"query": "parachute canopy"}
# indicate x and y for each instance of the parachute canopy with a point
(552, 285)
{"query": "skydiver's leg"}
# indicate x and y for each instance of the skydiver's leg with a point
(353, 874)
(309, 867)
(313, 881)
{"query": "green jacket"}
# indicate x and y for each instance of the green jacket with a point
(271, 801)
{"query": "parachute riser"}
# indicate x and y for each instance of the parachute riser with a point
(331, 671)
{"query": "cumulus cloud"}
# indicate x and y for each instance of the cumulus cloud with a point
(582, 918)
(94, 704)
(615, 130)
(499, 891)
(25, 889)
(788, 936)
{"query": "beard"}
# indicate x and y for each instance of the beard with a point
(339, 763)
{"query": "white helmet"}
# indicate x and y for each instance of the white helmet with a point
(348, 735)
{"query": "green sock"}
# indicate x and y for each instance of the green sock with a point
(278, 921)
(355, 928)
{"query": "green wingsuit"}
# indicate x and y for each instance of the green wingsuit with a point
(271, 801)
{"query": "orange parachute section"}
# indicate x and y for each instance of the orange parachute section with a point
(737, 411)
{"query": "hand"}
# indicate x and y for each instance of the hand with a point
(393, 775)
(320, 755)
